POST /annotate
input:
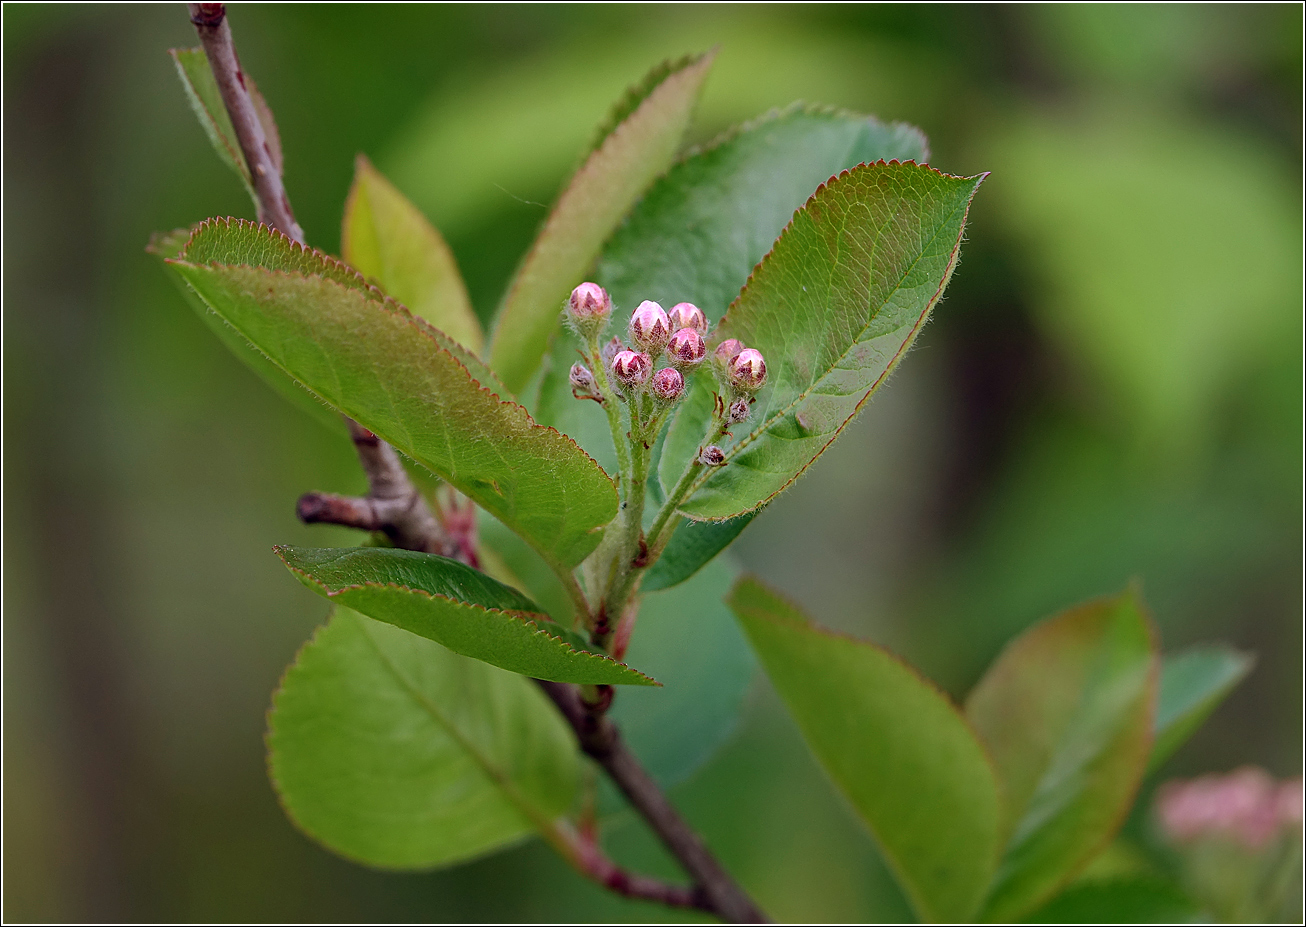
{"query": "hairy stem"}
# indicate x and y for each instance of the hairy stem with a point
(395, 506)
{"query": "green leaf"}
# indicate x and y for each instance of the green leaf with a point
(1119, 901)
(700, 230)
(206, 101)
(694, 544)
(703, 227)
(895, 746)
(167, 245)
(395, 752)
(369, 357)
(687, 638)
(454, 605)
(833, 308)
(385, 237)
(1193, 683)
(627, 159)
(1066, 712)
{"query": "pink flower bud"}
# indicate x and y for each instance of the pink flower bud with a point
(686, 348)
(590, 304)
(747, 370)
(582, 381)
(712, 456)
(632, 368)
(668, 385)
(726, 350)
(738, 411)
(649, 326)
(687, 315)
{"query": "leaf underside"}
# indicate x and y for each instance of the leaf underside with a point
(833, 308)
(628, 158)
(396, 752)
(1193, 683)
(454, 605)
(895, 746)
(370, 358)
(1066, 712)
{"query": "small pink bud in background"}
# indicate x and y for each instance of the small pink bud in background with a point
(727, 350)
(632, 368)
(1246, 804)
(582, 381)
(668, 385)
(747, 370)
(611, 350)
(589, 304)
(712, 456)
(686, 348)
(687, 315)
(649, 326)
(738, 411)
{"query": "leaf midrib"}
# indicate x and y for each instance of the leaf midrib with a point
(801, 397)
(500, 779)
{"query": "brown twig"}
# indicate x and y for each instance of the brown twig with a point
(601, 740)
(394, 506)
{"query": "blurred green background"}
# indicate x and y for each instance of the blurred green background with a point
(1111, 389)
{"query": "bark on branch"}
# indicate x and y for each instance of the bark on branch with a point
(394, 505)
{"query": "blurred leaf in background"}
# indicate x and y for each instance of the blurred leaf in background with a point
(1112, 389)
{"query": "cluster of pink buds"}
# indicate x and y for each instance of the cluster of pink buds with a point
(681, 337)
(1247, 805)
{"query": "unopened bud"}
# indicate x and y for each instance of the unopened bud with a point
(589, 307)
(687, 315)
(738, 411)
(649, 326)
(611, 350)
(668, 385)
(686, 348)
(712, 456)
(632, 368)
(747, 370)
(582, 381)
(727, 350)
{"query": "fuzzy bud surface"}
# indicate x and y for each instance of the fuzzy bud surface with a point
(712, 456)
(747, 370)
(649, 326)
(632, 368)
(686, 348)
(687, 315)
(668, 385)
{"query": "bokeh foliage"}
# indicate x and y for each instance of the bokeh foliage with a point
(1111, 390)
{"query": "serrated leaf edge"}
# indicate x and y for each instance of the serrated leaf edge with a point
(752, 436)
(388, 303)
(523, 617)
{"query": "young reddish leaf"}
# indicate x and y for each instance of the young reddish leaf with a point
(894, 744)
(628, 158)
(1066, 712)
(387, 238)
(1193, 683)
(833, 308)
(454, 605)
(370, 358)
(395, 752)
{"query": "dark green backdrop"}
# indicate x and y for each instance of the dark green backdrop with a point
(1111, 389)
